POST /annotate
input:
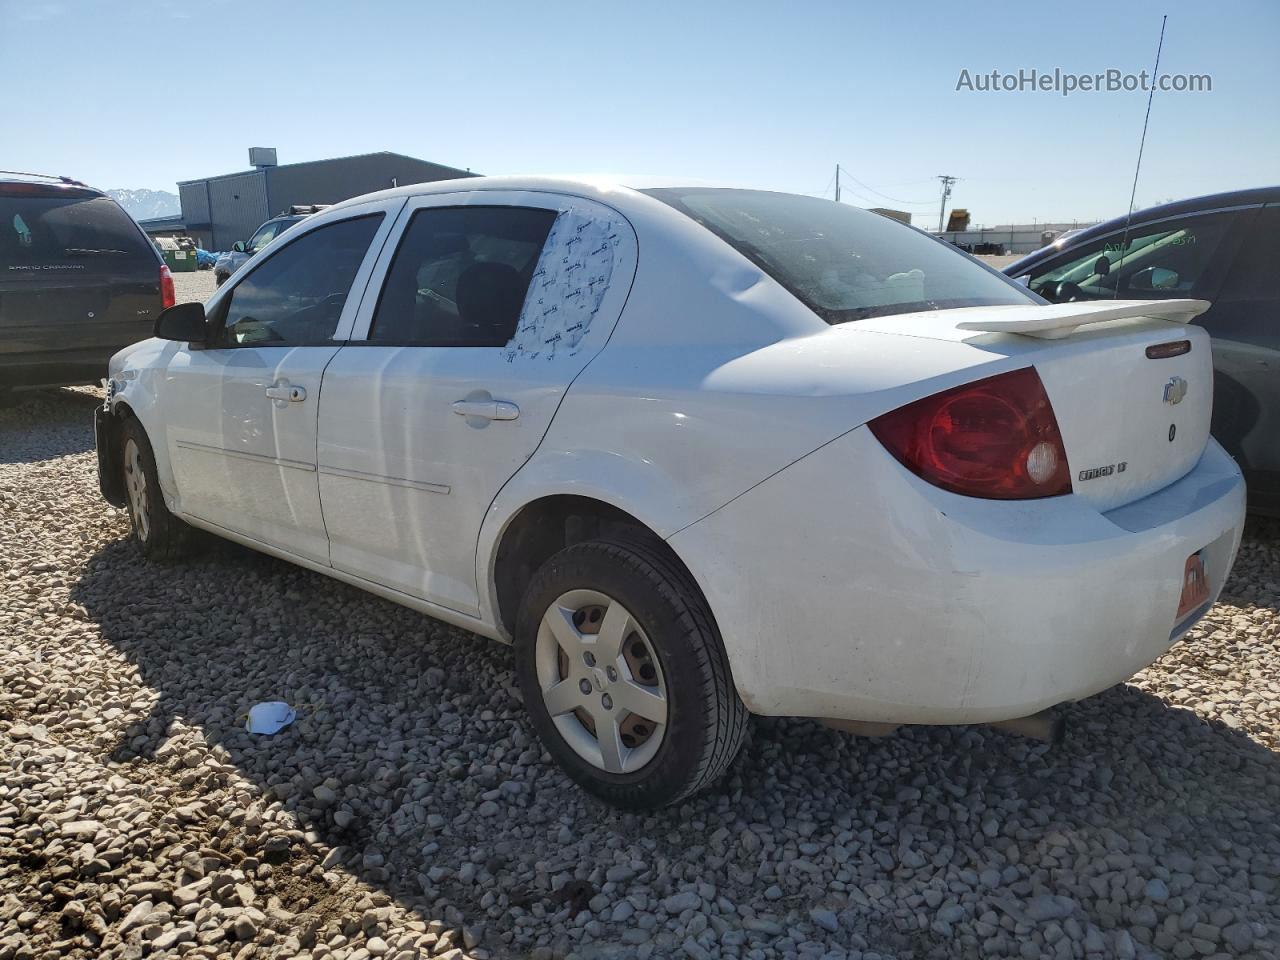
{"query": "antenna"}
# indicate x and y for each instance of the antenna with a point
(1128, 217)
(946, 193)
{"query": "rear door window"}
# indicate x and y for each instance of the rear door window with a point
(295, 297)
(460, 276)
(1255, 269)
(49, 234)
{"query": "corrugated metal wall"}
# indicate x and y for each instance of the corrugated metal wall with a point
(227, 209)
(194, 198)
(238, 205)
(330, 181)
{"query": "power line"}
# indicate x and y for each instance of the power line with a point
(916, 203)
(827, 188)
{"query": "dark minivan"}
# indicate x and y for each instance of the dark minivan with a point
(78, 281)
(1223, 248)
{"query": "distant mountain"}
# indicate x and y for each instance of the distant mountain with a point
(145, 204)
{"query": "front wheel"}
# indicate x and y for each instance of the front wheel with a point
(157, 532)
(624, 674)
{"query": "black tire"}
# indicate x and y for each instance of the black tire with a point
(219, 279)
(161, 536)
(706, 720)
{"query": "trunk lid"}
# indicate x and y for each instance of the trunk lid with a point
(1131, 424)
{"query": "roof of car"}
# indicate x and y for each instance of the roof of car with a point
(1211, 201)
(49, 180)
(596, 186)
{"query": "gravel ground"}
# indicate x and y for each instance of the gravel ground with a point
(409, 812)
(196, 285)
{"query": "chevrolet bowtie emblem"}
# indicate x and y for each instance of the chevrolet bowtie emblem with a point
(1175, 390)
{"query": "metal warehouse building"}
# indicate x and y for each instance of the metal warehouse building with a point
(218, 211)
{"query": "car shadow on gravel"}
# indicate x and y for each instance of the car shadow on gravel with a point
(412, 754)
(46, 424)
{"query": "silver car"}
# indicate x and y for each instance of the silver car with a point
(242, 250)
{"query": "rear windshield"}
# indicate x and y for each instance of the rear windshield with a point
(842, 262)
(68, 233)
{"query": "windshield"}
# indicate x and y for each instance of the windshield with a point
(842, 262)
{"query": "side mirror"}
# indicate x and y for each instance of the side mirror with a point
(184, 322)
(1024, 280)
(1102, 266)
(238, 247)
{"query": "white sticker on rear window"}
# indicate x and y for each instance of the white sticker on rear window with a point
(567, 288)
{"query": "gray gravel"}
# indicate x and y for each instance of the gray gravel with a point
(194, 285)
(409, 812)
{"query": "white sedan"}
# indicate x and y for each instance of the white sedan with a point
(697, 453)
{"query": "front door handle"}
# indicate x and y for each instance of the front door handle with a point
(284, 391)
(486, 409)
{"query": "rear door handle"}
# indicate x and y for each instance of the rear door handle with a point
(284, 390)
(486, 409)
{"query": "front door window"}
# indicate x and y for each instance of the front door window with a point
(295, 297)
(1154, 262)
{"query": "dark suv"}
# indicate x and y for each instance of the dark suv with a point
(79, 280)
(1223, 248)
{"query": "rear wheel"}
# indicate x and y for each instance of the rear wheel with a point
(624, 674)
(157, 532)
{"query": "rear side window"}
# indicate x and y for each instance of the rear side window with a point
(460, 276)
(295, 297)
(1255, 269)
(72, 234)
(842, 262)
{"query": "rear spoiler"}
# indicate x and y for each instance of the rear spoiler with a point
(1057, 320)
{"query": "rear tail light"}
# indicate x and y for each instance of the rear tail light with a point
(995, 438)
(167, 296)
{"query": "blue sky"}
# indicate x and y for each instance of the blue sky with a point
(142, 94)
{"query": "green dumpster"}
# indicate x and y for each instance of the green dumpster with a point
(178, 252)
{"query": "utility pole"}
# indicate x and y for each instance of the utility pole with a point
(946, 193)
(837, 183)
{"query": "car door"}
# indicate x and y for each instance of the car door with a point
(241, 413)
(1245, 325)
(492, 303)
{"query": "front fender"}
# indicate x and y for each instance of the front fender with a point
(137, 375)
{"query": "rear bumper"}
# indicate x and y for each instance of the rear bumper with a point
(55, 368)
(846, 587)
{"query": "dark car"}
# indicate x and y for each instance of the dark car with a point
(1223, 248)
(79, 280)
